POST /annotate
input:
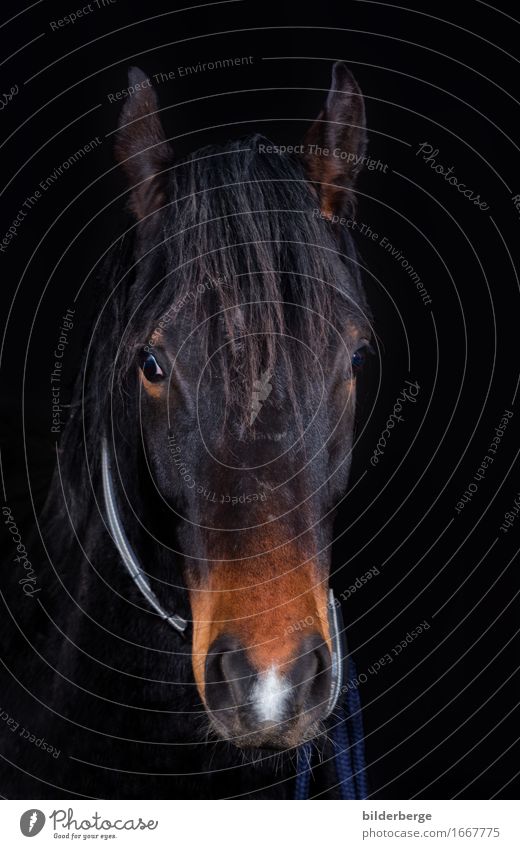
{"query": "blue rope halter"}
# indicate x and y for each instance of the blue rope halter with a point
(349, 748)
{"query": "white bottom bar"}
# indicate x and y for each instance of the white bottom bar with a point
(215, 824)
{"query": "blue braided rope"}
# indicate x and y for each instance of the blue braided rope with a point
(303, 771)
(348, 741)
(343, 757)
(357, 734)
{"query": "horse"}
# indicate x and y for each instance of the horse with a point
(185, 642)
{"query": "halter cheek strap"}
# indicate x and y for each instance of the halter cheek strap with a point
(124, 548)
(337, 636)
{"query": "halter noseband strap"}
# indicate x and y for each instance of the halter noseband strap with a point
(124, 548)
(139, 578)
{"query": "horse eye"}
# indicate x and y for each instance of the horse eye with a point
(359, 356)
(358, 360)
(151, 368)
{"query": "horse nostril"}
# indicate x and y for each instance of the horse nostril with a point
(311, 676)
(229, 675)
(320, 691)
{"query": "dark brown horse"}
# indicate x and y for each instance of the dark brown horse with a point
(209, 444)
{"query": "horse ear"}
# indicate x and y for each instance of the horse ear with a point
(336, 142)
(141, 147)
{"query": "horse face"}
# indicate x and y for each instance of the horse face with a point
(247, 398)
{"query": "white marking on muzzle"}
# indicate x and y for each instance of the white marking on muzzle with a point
(269, 696)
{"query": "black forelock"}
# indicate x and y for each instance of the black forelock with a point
(246, 258)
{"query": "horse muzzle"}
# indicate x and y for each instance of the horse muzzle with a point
(276, 707)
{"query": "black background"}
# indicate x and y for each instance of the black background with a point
(441, 719)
